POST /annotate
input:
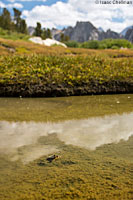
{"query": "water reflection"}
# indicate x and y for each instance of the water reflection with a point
(64, 108)
(21, 140)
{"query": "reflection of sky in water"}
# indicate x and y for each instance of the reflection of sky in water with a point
(89, 133)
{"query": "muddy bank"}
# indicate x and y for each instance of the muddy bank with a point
(50, 90)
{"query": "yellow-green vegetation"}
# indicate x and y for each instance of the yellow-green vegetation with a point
(97, 71)
(79, 174)
(59, 70)
(57, 50)
(29, 47)
(63, 70)
(8, 34)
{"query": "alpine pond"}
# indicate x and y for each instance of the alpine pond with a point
(92, 135)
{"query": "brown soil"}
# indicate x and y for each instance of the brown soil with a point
(37, 90)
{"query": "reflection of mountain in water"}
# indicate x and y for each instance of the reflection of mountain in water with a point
(89, 133)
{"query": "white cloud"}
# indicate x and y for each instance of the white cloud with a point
(66, 14)
(12, 1)
(59, 14)
(2, 5)
(102, 15)
(13, 5)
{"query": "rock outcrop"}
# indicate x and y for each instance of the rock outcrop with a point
(56, 33)
(31, 30)
(111, 34)
(84, 31)
(124, 31)
(129, 34)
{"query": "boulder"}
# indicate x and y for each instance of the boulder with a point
(37, 40)
(47, 42)
(50, 42)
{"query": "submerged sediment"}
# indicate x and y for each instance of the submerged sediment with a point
(53, 90)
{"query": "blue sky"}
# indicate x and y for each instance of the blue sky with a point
(30, 4)
(63, 13)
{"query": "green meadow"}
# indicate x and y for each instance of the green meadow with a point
(26, 64)
(64, 70)
(102, 173)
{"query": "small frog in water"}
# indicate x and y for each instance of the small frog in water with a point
(51, 158)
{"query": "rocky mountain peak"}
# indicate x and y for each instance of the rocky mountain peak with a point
(129, 34)
(84, 31)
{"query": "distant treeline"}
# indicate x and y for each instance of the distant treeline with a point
(104, 44)
(16, 24)
(13, 23)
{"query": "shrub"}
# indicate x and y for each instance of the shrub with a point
(93, 44)
(72, 43)
(104, 44)
(117, 43)
(115, 47)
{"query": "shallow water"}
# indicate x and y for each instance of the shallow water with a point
(66, 108)
(106, 119)
(88, 132)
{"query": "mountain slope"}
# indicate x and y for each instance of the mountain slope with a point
(129, 34)
(84, 31)
(125, 30)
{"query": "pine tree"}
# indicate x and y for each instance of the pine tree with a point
(5, 19)
(17, 24)
(44, 34)
(49, 33)
(38, 30)
(23, 26)
(20, 24)
(64, 38)
(17, 19)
